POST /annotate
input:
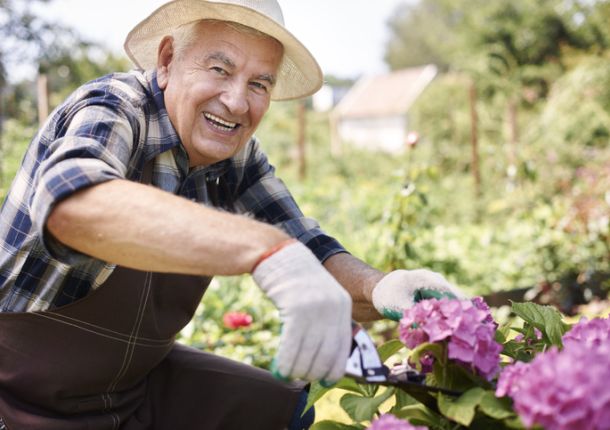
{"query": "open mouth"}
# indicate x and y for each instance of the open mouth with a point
(219, 123)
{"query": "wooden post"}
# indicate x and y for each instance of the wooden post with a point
(301, 124)
(513, 131)
(43, 98)
(474, 140)
(335, 139)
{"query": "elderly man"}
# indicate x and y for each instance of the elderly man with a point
(131, 196)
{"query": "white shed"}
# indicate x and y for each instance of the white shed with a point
(373, 114)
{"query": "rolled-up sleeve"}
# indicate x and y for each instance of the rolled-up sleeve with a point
(93, 144)
(265, 197)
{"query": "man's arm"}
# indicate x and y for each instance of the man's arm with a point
(145, 228)
(379, 295)
(142, 227)
(359, 279)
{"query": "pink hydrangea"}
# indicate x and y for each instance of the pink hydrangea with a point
(587, 332)
(390, 422)
(511, 379)
(564, 389)
(467, 327)
(479, 303)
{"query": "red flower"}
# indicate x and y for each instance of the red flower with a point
(236, 319)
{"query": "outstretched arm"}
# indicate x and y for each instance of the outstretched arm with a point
(142, 227)
(145, 228)
(379, 295)
(359, 279)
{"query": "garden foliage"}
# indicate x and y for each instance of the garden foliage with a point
(535, 371)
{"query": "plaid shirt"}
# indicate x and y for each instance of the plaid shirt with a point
(111, 128)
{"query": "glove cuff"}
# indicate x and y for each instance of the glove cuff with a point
(268, 253)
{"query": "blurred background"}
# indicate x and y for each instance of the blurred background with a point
(466, 136)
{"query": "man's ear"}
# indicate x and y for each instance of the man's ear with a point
(165, 56)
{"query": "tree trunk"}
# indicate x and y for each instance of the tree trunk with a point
(335, 140)
(513, 127)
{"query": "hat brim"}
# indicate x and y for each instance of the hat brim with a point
(299, 74)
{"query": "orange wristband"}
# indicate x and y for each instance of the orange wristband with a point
(268, 253)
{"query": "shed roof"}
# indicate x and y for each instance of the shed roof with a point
(384, 95)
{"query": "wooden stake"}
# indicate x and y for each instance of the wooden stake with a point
(301, 124)
(474, 140)
(43, 98)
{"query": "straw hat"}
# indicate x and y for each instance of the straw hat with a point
(299, 74)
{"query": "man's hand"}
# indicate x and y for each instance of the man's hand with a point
(401, 289)
(315, 312)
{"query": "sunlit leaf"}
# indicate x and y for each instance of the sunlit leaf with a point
(364, 408)
(545, 318)
(463, 408)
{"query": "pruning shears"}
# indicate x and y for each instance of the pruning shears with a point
(365, 366)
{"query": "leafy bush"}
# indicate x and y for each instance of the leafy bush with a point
(542, 375)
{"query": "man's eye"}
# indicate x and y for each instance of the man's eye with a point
(219, 70)
(259, 86)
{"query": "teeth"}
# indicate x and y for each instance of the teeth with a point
(219, 122)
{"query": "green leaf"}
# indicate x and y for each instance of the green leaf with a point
(462, 409)
(545, 318)
(420, 415)
(364, 408)
(502, 333)
(316, 391)
(496, 408)
(390, 348)
(334, 425)
(349, 384)
(520, 351)
(515, 423)
(453, 376)
(403, 399)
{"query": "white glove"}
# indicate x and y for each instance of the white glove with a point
(401, 289)
(315, 312)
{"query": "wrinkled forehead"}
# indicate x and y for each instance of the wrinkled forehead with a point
(201, 27)
(231, 43)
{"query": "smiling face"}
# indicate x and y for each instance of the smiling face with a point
(218, 88)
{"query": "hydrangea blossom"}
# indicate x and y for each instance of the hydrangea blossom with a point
(585, 332)
(564, 389)
(512, 379)
(467, 327)
(390, 422)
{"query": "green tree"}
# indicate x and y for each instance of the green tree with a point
(68, 71)
(423, 33)
(512, 50)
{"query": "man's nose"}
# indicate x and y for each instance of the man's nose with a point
(235, 97)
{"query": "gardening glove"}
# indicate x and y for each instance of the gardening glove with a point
(401, 289)
(315, 312)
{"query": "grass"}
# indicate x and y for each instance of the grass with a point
(15, 139)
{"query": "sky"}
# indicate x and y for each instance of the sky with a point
(347, 37)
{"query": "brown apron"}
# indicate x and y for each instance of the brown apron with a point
(108, 361)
